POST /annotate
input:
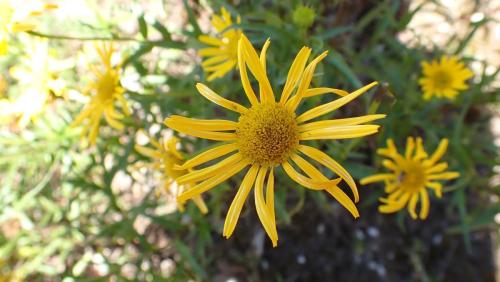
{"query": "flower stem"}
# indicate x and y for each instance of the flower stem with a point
(159, 43)
(66, 37)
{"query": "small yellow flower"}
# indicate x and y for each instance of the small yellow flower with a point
(410, 176)
(221, 56)
(38, 76)
(444, 79)
(105, 90)
(14, 16)
(269, 134)
(165, 156)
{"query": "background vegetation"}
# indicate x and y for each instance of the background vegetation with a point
(73, 213)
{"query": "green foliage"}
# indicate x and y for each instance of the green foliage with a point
(81, 213)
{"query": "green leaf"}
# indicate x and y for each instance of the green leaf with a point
(143, 26)
(188, 256)
(337, 60)
(162, 30)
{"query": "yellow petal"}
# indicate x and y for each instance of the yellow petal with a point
(262, 210)
(215, 98)
(412, 205)
(218, 136)
(263, 54)
(339, 132)
(148, 152)
(424, 209)
(211, 182)
(443, 176)
(441, 149)
(247, 87)
(324, 90)
(338, 122)
(204, 124)
(294, 102)
(253, 62)
(210, 40)
(394, 206)
(198, 200)
(262, 59)
(208, 155)
(204, 173)
(333, 190)
(410, 145)
(270, 195)
(241, 195)
(308, 182)
(420, 151)
(221, 67)
(437, 187)
(437, 168)
(329, 107)
(20, 27)
(377, 178)
(221, 70)
(344, 200)
(214, 60)
(113, 122)
(390, 165)
(331, 164)
(210, 52)
(295, 73)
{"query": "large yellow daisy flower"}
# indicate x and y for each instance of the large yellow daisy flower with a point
(444, 79)
(410, 176)
(269, 134)
(104, 92)
(14, 17)
(165, 156)
(221, 56)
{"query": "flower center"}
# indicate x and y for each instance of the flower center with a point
(442, 79)
(412, 178)
(106, 86)
(267, 134)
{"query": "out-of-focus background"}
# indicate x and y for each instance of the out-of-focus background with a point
(73, 212)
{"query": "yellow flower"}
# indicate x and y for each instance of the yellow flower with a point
(13, 18)
(221, 56)
(38, 76)
(105, 90)
(166, 156)
(268, 134)
(444, 79)
(410, 176)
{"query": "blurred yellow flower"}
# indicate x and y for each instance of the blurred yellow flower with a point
(444, 79)
(221, 56)
(14, 16)
(8, 276)
(105, 90)
(37, 73)
(410, 175)
(268, 135)
(165, 156)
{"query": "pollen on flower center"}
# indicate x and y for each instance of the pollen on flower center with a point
(413, 176)
(267, 134)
